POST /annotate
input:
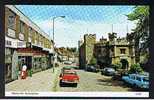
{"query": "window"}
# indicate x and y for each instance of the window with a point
(21, 27)
(11, 20)
(138, 78)
(123, 51)
(30, 32)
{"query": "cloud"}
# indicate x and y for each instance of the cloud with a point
(68, 32)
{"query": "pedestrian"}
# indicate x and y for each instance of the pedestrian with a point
(24, 71)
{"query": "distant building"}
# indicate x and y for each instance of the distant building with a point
(81, 54)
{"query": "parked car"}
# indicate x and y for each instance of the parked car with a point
(70, 67)
(69, 77)
(92, 68)
(68, 62)
(108, 71)
(137, 80)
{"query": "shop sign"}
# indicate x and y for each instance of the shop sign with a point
(11, 33)
(21, 36)
(21, 44)
(9, 42)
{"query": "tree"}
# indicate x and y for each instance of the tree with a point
(141, 32)
(135, 68)
(93, 61)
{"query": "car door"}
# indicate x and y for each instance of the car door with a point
(132, 79)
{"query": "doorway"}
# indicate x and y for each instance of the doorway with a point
(124, 63)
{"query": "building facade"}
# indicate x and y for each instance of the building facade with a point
(86, 49)
(25, 43)
(107, 52)
(115, 51)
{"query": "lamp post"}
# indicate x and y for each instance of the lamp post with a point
(53, 40)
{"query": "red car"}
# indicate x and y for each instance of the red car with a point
(69, 77)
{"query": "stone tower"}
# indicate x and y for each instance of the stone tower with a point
(89, 41)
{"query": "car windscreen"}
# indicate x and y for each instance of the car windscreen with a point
(110, 69)
(70, 73)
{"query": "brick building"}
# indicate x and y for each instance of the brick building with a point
(26, 43)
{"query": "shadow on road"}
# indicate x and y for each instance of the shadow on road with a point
(68, 85)
(111, 82)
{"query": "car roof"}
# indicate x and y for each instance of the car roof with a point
(138, 75)
(70, 71)
(108, 68)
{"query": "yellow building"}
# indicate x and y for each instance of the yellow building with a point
(122, 51)
(115, 51)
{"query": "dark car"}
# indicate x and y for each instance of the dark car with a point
(91, 68)
(108, 71)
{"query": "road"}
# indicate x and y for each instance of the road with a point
(90, 81)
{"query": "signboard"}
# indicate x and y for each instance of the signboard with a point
(9, 42)
(21, 44)
(11, 33)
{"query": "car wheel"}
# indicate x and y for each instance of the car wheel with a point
(135, 86)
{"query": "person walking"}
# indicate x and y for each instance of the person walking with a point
(24, 71)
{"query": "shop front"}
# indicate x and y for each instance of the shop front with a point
(10, 59)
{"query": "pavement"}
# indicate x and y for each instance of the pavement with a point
(43, 81)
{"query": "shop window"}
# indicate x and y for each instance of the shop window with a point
(21, 27)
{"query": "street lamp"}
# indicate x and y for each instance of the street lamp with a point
(53, 39)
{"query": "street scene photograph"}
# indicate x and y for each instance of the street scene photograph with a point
(76, 48)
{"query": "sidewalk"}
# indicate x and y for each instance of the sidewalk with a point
(42, 81)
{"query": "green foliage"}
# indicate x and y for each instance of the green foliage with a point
(141, 32)
(117, 66)
(93, 61)
(135, 68)
(139, 13)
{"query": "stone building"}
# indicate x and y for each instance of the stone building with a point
(116, 50)
(26, 43)
(101, 52)
(86, 49)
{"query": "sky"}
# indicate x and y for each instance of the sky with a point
(79, 20)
